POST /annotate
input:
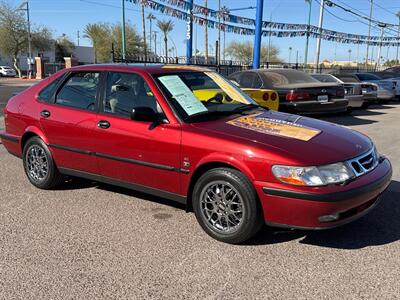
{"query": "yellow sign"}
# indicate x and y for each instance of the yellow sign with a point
(275, 127)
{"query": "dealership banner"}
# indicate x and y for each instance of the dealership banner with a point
(276, 29)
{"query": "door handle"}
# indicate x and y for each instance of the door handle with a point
(103, 124)
(45, 113)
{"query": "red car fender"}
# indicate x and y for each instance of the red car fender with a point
(35, 130)
(235, 162)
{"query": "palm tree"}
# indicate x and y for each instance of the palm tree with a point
(165, 27)
(94, 32)
(150, 17)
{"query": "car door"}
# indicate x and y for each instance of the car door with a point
(68, 121)
(134, 151)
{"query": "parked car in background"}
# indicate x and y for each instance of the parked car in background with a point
(395, 77)
(7, 71)
(264, 97)
(386, 88)
(369, 90)
(298, 92)
(236, 164)
(352, 91)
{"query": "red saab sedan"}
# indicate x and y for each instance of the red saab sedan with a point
(236, 164)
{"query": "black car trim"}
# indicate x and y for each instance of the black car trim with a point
(122, 159)
(8, 137)
(332, 197)
(124, 184)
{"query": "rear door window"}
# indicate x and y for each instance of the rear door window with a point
(79, 91)
(46, 94)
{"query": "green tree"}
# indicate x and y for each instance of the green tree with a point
(103, 35)
(14, 35)
(64, 48)
(97, 33)
(166, 27)
(243, 51)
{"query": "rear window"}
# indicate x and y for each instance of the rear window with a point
(278, 79)
(347, 78)
(324, 78)
(46, 94)
(364, 77)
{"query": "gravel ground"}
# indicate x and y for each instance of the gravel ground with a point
(87, 241)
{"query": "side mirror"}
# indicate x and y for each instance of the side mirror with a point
(145, 114)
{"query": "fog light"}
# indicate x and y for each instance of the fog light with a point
(328, 218)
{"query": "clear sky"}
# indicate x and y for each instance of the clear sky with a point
(71, 16)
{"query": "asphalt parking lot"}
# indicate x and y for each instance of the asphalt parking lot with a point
(87, 240)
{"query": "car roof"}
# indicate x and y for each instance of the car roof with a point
(151, 69)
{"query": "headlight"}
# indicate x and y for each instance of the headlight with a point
(313, 176)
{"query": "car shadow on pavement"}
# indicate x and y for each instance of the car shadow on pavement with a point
(381, 226)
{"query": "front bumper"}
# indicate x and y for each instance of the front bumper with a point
(288, 206)
(314, 107)
(355, 100)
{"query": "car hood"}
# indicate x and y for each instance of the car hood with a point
(333, 143)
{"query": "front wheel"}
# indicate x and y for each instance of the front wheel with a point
(39, 165)
(226, 205)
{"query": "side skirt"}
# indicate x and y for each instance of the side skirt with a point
(124, 184)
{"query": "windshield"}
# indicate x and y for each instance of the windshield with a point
(203, 93)
(364, 77)
(324, 78)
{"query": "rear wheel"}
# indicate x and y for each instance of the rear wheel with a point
(366, 105)
(226, 205)
(39, 165)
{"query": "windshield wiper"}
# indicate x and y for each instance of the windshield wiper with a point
(244, 107)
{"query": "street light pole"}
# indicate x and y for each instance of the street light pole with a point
(398, 38)
(378, 59)
(290, 54)
(258, 33)
(308, 34)
(123, 30)
(321, 19)
(369, 30)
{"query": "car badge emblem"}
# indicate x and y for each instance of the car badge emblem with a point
(323, 91)
(358, 146)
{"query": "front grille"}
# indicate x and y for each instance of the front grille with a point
(364, 163)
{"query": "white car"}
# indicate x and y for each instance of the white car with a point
(7, 71)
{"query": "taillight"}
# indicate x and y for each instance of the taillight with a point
(274, 96)
(266, 97)
(340, 93)
(297, 96)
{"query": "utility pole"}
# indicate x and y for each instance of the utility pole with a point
(398, 38)
(290, 54)
(123, 30)
(269, 40)
(155, 43)
(29, 60)
(369, 30)
(321, 19)
(258, 33)
(78, 38)
(206, 33)
(219, 31)
(144, 31)
(308, 34)
(378, 59)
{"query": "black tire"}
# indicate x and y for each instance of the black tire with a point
(251, 218)
(52, 177)
(365, 105)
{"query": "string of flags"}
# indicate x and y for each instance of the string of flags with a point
(281, 29)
